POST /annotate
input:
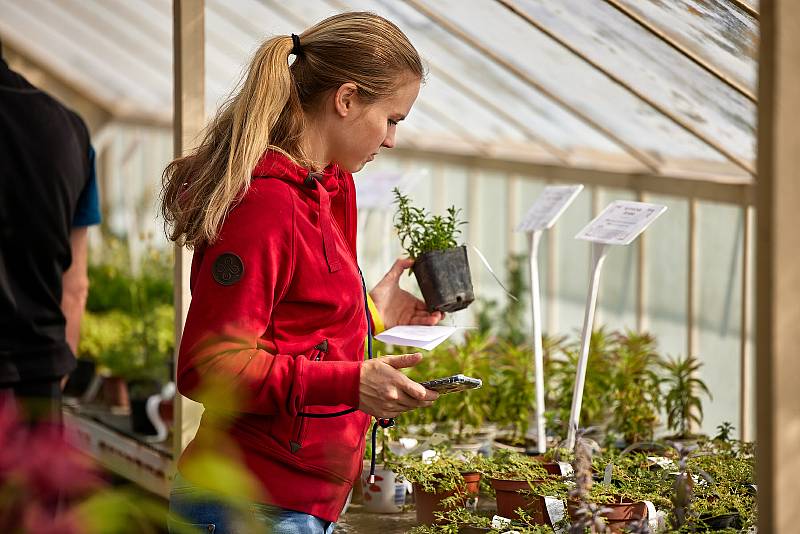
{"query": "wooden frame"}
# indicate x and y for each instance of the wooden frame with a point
(778, 268)
(189, 80)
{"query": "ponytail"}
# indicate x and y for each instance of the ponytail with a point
(269, 113)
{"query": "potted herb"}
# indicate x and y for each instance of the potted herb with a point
(683, 403)
(636, 387)
(442, 483)
(440, 265)
(620, 501)
(520, 482)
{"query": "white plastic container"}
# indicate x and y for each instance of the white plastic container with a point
(386, 495)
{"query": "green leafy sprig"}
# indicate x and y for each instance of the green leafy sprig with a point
(421, 232)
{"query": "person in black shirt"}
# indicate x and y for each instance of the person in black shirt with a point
(48, 198)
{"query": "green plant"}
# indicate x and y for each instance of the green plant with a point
(725, 431)
(513, 388)
(509, 465)
(512, 324)
(683, 403)
(440, 474)
(421, 232)
(129, 326)
(636, 386)
(598, 398)
(464, 411)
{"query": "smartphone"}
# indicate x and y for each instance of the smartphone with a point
(451, 384)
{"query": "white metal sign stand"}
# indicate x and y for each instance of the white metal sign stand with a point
(541, 216)
(619, 224)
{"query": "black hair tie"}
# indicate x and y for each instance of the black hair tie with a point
(297, 49)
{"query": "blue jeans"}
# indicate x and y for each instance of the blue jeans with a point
(193, 510)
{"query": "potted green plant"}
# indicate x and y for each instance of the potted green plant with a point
(440, 483)
(440, 265)
(619, 503)
(598, 401)
(461, 415)
(636, 387)
(683, 403)
(521, 482)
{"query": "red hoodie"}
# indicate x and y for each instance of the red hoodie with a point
(278, 320)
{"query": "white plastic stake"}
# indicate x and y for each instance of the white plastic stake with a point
(538, 350)
(619, 224)
(542, 215)
(598, 257)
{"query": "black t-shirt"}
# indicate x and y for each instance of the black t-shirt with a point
(45, 168)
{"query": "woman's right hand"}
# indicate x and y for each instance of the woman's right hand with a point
(385, 392)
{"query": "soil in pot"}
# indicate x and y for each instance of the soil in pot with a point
(620, 514)
(509, 499)
(427, 504)
(444, 279)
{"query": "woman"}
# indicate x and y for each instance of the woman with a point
(279, 314)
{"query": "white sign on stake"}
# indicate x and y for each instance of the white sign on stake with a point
(542, 215)
(619, 224)
(549, 207)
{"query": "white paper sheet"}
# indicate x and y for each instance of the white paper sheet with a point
(621, 222)
(423, 337)
(548, 207)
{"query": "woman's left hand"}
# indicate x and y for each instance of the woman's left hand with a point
(397, 306)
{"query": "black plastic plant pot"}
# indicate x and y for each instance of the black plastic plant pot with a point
(445, 280)
(80, 378)
(140, 423)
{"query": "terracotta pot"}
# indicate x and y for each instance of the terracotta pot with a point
(552, 468)
(428, 504)
(115, 394)
(509, 499)
(620, 516)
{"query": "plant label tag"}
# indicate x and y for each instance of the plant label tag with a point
(654, 519)
(566, 469)
(555, 509)
(423, 337)
(621, 222)
(499, 522)
(544, 213)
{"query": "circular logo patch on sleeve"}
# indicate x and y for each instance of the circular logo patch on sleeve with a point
(228, 269)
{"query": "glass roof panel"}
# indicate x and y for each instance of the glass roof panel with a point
(652, 67)
(715, 30)
(450, 57)
(81, 50)
(515, 40)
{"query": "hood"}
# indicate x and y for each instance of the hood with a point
(273, 164)
(323, 187)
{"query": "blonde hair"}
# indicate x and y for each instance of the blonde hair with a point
(269, 112)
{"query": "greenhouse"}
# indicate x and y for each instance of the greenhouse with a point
(599, 200)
